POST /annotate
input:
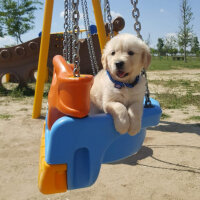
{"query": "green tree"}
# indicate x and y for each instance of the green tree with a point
(195, 48)
(170, 44)
(174, 51)
(185, 29)
(1, 29)
(153, 51)
(181, 51)
(17, 17)
(160, 46)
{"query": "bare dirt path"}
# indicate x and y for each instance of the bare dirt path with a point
(167, 166)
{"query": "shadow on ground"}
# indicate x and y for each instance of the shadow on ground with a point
(166, 126)
(147, 152)
(143, 153)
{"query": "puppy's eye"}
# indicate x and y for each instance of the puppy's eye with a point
(113, 53)
(130, 53)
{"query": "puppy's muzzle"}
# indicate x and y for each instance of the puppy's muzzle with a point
(119, 65)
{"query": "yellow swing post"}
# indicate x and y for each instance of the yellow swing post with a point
(42, 64)
(7, 78)
(100, 23)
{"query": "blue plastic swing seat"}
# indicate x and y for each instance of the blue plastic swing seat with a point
(84, 144)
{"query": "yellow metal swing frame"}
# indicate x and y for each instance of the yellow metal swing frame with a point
(44, 49)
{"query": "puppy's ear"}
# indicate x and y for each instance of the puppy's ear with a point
(104, 60)
(146, 59)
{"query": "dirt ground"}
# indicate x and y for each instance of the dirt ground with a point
(167, 166)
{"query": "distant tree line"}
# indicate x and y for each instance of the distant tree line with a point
(185, 42)
(17, 17)
(171, 46)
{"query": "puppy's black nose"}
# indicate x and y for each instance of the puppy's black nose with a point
(119, 64)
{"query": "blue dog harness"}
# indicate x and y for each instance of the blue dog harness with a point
(119, 84)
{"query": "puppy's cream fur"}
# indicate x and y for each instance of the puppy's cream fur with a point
(125, 104)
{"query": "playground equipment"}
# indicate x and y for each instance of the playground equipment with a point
(20, 62)
(75, 144)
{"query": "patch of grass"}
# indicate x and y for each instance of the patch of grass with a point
(23, 109)
(177, 83)
(173, 101)
(190, 86)
(22, 91)
(5, 116)
(17, 92)
(25, 91)
(166, 63)
(195, 118)
(169, 101)
(3, 91)
(46, 89)
(165, 116)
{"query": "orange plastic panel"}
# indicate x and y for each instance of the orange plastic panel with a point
(68, 95)
(51, 178)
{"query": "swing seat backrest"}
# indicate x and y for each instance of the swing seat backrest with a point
(68, 95)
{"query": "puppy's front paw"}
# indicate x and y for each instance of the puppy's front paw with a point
(122, 123)
(135, 127)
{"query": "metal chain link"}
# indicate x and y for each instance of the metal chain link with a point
(67, 27)
(87, 32)
(75, 33)
(91, 41)
(65, 40)
(109, 17)
(136, 15)
(93, 53)
(147, 93)
(137, 27)
(90, 44)
(69, 43)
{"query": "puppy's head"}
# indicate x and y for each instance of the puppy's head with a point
(124, 56)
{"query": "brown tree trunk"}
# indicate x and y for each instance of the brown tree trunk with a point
(185, 55)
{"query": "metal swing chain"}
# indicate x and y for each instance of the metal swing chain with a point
(67, 28)
(137, 27)
(69, 43)
(65, 41)
(75, 33)
(90, 44)
(136, 15)
(90, 40)
(87, 32)
(109, 17)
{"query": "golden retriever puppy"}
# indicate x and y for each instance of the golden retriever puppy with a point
(119, 88)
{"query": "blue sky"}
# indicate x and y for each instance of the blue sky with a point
(159, 18)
